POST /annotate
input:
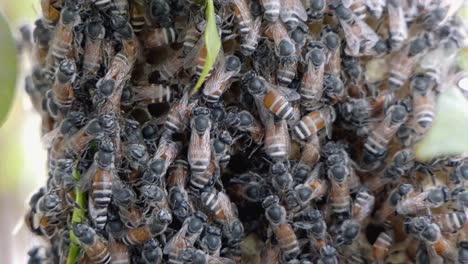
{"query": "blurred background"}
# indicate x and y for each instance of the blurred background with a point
(22, 158)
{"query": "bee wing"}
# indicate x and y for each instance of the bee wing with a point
(151, 92)
(353, 42)
(290, 94)
(177, 240)
(192, 55)
(48, 138)
(227, 206)
(118, 251)
(219, 260)
(302, 225)
(86, 179)
(375, 6)
(396, 18)
(291, 8)
(244, 11)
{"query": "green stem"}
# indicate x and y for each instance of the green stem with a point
(77, 217)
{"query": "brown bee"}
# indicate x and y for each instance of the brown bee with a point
(221, 79)
(62, 41)
(221, 149)
(432, 235)
(153, 93)
(249, 42)
(310, 154)
(286, 70)
(363, 205)
(292, 13)
(450, 222)
(155, 225)
(199, 150)
(312, 82)
(119, 252)
(157, 166)
(277, 143)
(244, 121)
(270, 254)
(98, 180)
(276, 100)
(137, 15)
(396, 24)
(186, 237)
(178, 196)
(63, 85)
(50, 12)
(272, 9)
(152, 252)
(423, 103)
(313, 122)
(417, 201)
(381, 246)
(284, 46)
(42, 36)
(171, 66)
(94, 246)
(94, 53)
(192, 35)
(328, 254)
(244, 17)
(340, 200)
(313, 188)
(276, 215)
(191, 255)
(388, 206)
(331, 41)
(360, 38)
(179, 114)
(160, 37)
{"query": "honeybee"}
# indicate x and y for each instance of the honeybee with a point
(276, 215)
(284, 46)
(160, 37)
(152, 252)
(363, 205)
(360, 38)
(192, 35)
(450, 222)
(312, 82)
(221, 79)
(137, 15)
(292, 13)
(381, 246)
(40, 254)
(211, 241)
(98, 180)
(154, 198)
(328, 255)
(244, 121)
(62, 40)
(153, 93)
(333, 89)
(171, 66)
(388, 206)
(403, 61)
(94, 246)
(157, 166)
(41, 36)
(375, 147)
(281, 178)
(248, 187)
(220, 148)
(316, 10)
(50, 12)
(331, 41)
(277, 101)
(277, 143)
(312, 189)
(432, 235)
(375, 7)
(315, 227)
(270, 254)
(160, 11)
(119, 252)
(397, 25)
(178, 195)
(94, 52)
(63, 85)
(179, 114)
(423, 105)
(310, 154)
(191, 255)
(155, 225)
(272, 9)
(244, 17)
(340, 200)
(199, 150)
(417, 201)
(348, 233)
(313, 122)
(462, 252)
(187, 235)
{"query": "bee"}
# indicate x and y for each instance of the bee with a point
(220, 148)
(359, 9)
(401, 163)
(270, 254)
(155, 225)
(160, 37)
(160, 11)
(199, 152)
(94, 246)
(244, 121)
(375, 147)
(179, 114)
(432, 235)
(292, 13)
(417, 201)
(244, 17)
(311, 88)
(50, 12)
(192, 35)
(186, 237)
(348, 233)
(178, 195)
(211, 241)
(312, 222)
(137, 15)
(281, 178)
(316, 10)
(312, 189)
(157, 166)
(276, 216)
(40, 254)
(450, 222)
(389, 205)
(94, 52)
(152, 252)
(62, 41)
(313, 122)
(423, 104)
(331, 41)
(272, 99)
(397, 25)
(221, 79)
(277, 143)
(402, 63)
(172, 66)
(98, 180)
(124, 198)
(119, 8)
(381, 246)
(333, 89)
(41, 36)
(153, 93)
(363, 205)
(63, 85)
(191, 255)
(340, 200)
(284, 46)
(286, 70)
(272, 9)
(375, 7)
(248, 187)
(310, 154)
(119, 252)
(462, 252)
(328, 255)
(153, 197)
(360, 38)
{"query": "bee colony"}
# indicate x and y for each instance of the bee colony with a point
(298, 148)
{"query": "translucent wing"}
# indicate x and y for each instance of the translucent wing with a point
(219, 260)
(243, 11)
(48, 138)
(152, 92)
(178, 241)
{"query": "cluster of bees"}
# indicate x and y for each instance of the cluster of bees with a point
(301, 137)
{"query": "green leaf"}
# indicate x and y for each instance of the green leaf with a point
(77, 217)
(212, 43)
(448, 135)
(8, 68)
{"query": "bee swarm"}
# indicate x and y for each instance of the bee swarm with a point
(298, 148)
